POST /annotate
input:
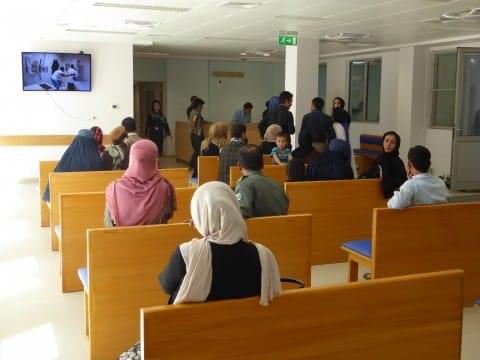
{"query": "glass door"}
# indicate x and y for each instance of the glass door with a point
(466, 134)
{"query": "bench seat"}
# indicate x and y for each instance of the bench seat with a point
(363, 247)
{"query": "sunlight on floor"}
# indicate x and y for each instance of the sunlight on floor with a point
(41, 345)
(19, 277)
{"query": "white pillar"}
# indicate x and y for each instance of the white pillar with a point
(301, 78)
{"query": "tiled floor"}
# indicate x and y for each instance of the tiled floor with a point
(38, 322)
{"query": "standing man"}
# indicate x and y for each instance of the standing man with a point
(196, 135)
(282, 115)
(244, 115)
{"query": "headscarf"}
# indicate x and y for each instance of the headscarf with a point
(81, 155)
(272, 132)
(295, 170)
(273, 103)
(216, 215)
(141, 196)
(98, 136)
(341, 148)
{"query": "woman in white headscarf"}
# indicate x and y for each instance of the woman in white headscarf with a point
(223, 264)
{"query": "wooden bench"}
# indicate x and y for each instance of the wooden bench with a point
(370, 148)
(277, 172)
(124, 263)
(82, 211)
(91, 181)
(207, 169)
(342, 210)
(421, 239)
(46, 167)
(409, 317)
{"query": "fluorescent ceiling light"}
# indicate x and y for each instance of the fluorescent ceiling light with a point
(141, 24)
(111, 32)
(346, 37)
(140, 7)
(240, 4)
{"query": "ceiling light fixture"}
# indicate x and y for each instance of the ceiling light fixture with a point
(346, 37)
(225, 38)
(141, 24)
(303, 18)
(240, 4)
(111, 32)
(140, 7)
(465, 15)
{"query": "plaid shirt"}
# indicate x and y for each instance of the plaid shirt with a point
(228, 157)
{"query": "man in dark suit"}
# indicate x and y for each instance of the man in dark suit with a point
(282, 115)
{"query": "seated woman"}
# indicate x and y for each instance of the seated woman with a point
(341, 120)
(217, 137)
(223, 264)
(98, 136)
(115, 156)
(388, 166)
(341, 148)
(81, 155)
(270, 139)
(141, 196)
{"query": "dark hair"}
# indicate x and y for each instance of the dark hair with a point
(318, 103)
(129, 124)
(283, 135)
(197, 102)
(238, 129)
(248, 105)
(342, 102)
(250, 157)
(341, 116)
(94, 128)
(267, 103)
(285, 96)
(295, 170)
(62, 68)
(397, 147)
(419, 156)
(153, 105)
(193, 97)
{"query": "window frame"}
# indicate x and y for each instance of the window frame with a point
(323, 64)
(433, 78)
(365, 88)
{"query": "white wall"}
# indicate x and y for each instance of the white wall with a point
(186, 77)
(62, 112)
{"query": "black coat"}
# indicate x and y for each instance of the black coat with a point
(316, 126)
(393, 173)
(283, 117)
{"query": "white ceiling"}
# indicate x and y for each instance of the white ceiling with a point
(197, 31)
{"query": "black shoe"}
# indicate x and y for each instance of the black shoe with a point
(367, 276)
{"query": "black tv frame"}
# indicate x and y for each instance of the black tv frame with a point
(60, 53)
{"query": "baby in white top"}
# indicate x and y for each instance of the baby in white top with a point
(421, 188)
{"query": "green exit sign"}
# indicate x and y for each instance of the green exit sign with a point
(287, 40)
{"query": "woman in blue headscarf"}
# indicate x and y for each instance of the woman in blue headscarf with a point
(81, 155)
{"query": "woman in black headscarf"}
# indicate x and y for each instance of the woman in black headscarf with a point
(388, 166)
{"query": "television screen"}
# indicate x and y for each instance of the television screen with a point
(43, 71)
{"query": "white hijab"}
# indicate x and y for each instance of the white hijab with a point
(217, 217)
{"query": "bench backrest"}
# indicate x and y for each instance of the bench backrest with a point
(371, 142)
(90, 181)
(82, 211)
(380, 319)
(428, 238)
(46, 167)
(207, 169)
(342, 211)
(124, 263)
(277, 172)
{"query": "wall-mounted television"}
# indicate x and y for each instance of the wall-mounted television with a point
(47, 71)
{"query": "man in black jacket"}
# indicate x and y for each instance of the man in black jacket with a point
(315, 125)
(281, 115)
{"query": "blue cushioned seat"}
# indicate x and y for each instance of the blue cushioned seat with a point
(371, 139)
(363, 247)
(83, 276)
(58, 232)
(477, 302)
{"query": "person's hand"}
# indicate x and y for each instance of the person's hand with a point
(380, 171)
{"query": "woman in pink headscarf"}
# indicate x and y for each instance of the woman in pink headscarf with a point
(141, 196)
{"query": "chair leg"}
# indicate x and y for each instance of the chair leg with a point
(352, 270)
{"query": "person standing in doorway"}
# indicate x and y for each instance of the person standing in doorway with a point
(244, 115)
(196, 136)
(157, 126)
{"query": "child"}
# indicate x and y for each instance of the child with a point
(421, 188)
(281, 154)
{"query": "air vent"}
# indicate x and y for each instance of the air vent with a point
(141, 7)
(303, 18)
(111, 32)
(260, 52)
(346, 37)
(465, 15)
(225, 38)
(141, 24)
(239, 4)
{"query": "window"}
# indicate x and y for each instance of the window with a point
(365, 85)
(322, 81)
(443, 92)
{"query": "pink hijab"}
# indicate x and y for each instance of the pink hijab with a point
(141, 196)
